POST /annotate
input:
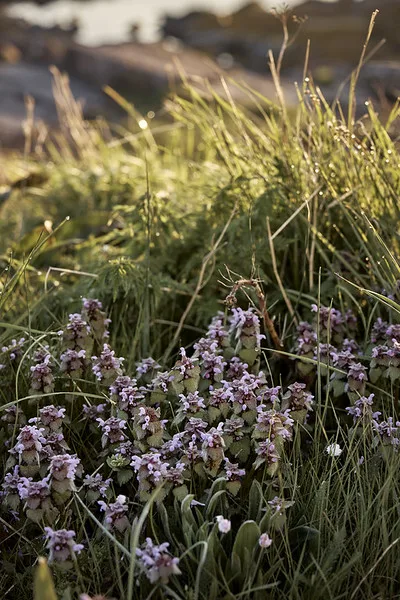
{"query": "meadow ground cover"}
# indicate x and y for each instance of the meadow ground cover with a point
(200, 356)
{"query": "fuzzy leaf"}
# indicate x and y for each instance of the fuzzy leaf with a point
(374, 374)
(240, 450)
(233, 487)
(180, 492)
(124, 476)
(246, 542)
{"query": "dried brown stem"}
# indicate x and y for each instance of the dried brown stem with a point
(200, 284)
(262, 307)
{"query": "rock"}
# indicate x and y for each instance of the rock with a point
(146, 73)
(337, 31)
(22, 80)
(150, 71)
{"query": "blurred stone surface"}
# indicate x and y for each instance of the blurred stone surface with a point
(143, 73)
(201, 47)
(337, 32)
(19, 81)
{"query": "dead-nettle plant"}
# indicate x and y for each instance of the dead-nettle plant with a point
(200, 434)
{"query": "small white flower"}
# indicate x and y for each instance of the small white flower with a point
(264, 540)
(333, 450)
(196, 503)
(224, 525)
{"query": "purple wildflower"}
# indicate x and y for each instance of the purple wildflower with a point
(107, 367)
(217, 330)
(388, 431)
(15, 350)
(266, 453)
(218, 396)
(174, 474)
(297, 398)
(331, 321)
(112, 430)
(150, 469)
(192, 403)
(324, 353)
(233, 472)
(146, 365)
(236, 368)
(35, 493)
(306, 340)
(73, 362)
(161, 382)
(156, 562)
(10, 488)
(245, 325)
(63, 471)
(212, 365)
(350, 345)
(393, 333)
(97, 484)
(54, 444)
(343, 359)
(93, 411)
(115, 513)
(356, 378)
(272, 424)
(42, 379)
(194, 429)
(76, 334)
(234, 427)
(205, 345)
(50, 417)
(378, 333)
(125, 392)
(185, 366)
(94, 315)
(61, 545)
(362, 409)
(30, 441)
(172, 446)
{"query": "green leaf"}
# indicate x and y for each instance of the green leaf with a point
(186, 511)
(124, 476)
(393, 373)
(299, 536)
(214, 501)
(43, 584)
(246, 542)
(249, 355)
(240, 450)
(255, 501)
(374, 374)
(180, 492)
(233, 487)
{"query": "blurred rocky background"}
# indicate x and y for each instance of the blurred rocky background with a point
(202, 44)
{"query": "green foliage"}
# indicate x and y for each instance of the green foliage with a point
(313, 200)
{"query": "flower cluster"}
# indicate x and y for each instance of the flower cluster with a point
(115, 514)
(107, 367)
(216, 418)
(12, 353)
(42, 378)
(61, 545)
(77, 334)
(156, 562)
(92, 312)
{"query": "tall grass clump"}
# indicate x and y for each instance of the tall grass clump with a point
(146, 208)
